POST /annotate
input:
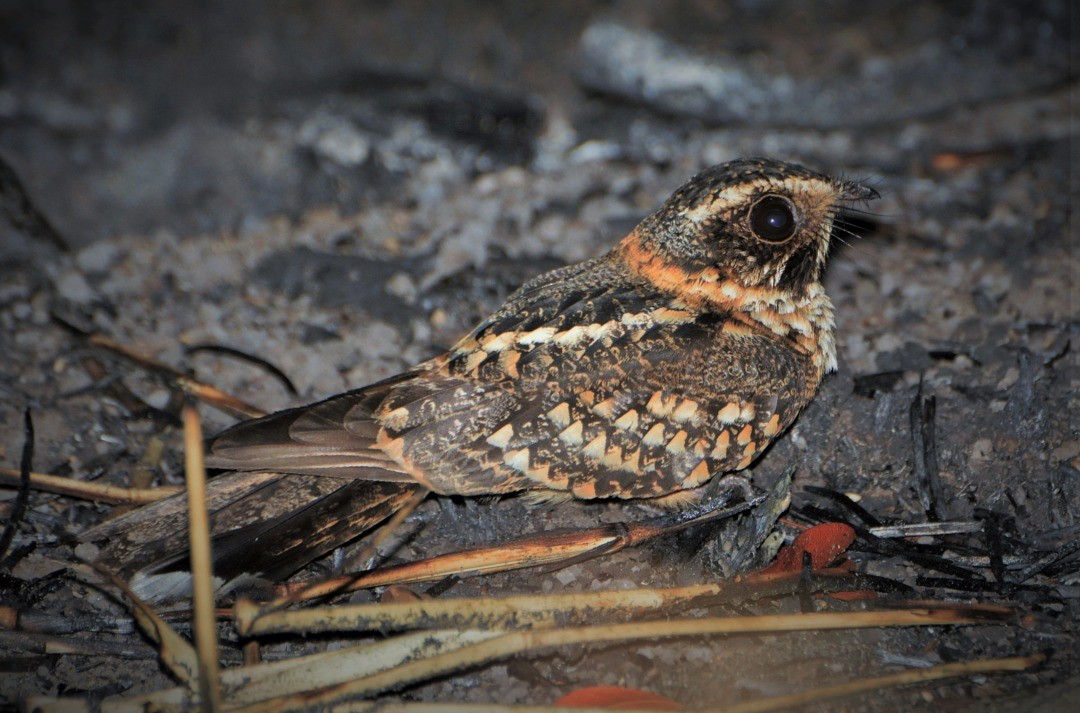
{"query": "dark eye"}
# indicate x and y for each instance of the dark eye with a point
(773, 219)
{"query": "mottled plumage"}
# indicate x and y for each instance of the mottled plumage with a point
(679, 355)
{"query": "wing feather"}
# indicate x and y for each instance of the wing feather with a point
(334, 437)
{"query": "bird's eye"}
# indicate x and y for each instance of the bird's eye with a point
(773, 219)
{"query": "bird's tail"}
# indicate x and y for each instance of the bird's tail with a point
(304, 481)
(263, 525)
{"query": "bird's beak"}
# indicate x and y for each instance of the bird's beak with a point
(850, 191)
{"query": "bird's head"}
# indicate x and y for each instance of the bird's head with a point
(759, 225)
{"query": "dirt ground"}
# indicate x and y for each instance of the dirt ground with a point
(344, 189)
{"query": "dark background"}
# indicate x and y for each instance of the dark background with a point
(345, 188)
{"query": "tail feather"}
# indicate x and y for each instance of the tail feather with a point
(155, 536)
(276, 549)
(263, 525)
(164, 516)
(304, 482)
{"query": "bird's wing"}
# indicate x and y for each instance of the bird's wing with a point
(347, 435)
(335, 437)
(602, 388)
(583, 382)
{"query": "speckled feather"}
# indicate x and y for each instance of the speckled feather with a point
(679, 355)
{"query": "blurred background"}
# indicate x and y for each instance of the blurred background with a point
(344, 188)
(131, 116)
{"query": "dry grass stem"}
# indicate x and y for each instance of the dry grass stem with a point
(331, 668)
(254, 619)
(517, 642)
(250, 684)
(531, 552)
(203, 392)
(927, 529)
(892, 680)
(494, 613)
(143, 475)
(205, 623)
(176, 654)
(97, 492)
(481, 613)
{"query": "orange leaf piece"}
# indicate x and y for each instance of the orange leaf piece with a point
(824, 543)
(400, 593)
(860, 595)
(617, 698)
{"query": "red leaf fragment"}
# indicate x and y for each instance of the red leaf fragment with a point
(824, 543)
(617, 698)
(856, 596)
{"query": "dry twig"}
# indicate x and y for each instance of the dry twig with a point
(516, 642)
(205, 625)
(549, 548)
(98, 492)
(527, 610)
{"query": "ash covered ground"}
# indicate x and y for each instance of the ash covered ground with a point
(345, 190)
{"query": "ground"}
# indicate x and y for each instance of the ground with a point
(344, 190)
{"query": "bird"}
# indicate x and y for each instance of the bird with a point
(641, 375)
